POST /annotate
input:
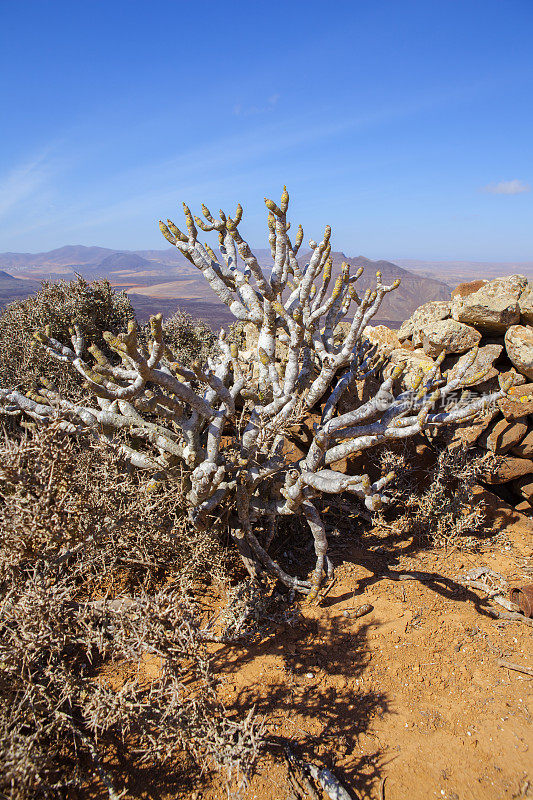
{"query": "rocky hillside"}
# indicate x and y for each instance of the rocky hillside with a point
(15, 288)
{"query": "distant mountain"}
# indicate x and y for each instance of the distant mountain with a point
(166, 278)
(60, 260)
(130, 261)
(78, 258)
(400, 304)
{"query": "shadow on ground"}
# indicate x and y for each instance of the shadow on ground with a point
(318, 666)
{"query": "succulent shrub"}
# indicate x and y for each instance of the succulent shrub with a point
(226, 418)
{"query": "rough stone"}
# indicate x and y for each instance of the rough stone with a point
(526, 305)
(449, 336)
(504, 469)
(486, 356)
(518, 378)
(428, 312)
(524, 487)
(489, 384)
(524, 449)
(466, 434)
(500, 437)
(518, 403)
(407, 344)
(493, 307)
(519, 346)
(524, 507)
(464, 289)
(383, 336)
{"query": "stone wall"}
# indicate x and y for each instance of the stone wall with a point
(497, 317)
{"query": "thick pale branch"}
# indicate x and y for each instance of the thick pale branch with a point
(229, 420)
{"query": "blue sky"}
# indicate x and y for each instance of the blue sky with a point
(405, 124)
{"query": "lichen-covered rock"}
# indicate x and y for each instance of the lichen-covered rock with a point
(518, 403)
(383, 336)
(429, 312)
(485, 358)
(496, 380)
(526, 305)
(501, 436)
(449, 336)
(493, 307)
(519, 346)
(517, 377)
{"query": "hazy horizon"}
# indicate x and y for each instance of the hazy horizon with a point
(394, 259)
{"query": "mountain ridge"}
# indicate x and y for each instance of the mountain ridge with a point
(166, 278)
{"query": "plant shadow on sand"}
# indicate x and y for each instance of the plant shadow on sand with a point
(311, 681)
(317, 667)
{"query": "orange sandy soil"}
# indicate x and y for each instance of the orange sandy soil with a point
(407, 701)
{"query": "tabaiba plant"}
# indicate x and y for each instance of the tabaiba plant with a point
(227, 418)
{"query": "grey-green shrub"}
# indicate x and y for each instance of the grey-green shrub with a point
(95, 306)
(190, 339)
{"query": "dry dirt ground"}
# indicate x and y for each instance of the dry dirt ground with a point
(407, 701)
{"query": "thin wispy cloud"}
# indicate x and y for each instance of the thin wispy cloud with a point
(508, 187)
(164, 180)
(250, 111)
(127, 194)
(22, 182)
(43, 198)
(30, 190)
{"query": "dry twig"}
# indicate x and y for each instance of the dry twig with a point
(515, 667)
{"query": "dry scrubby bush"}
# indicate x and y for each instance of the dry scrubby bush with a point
(62, 718)
(191, 339)
(93, 305)
(74, 702)
(441, 512)
(57, 493)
